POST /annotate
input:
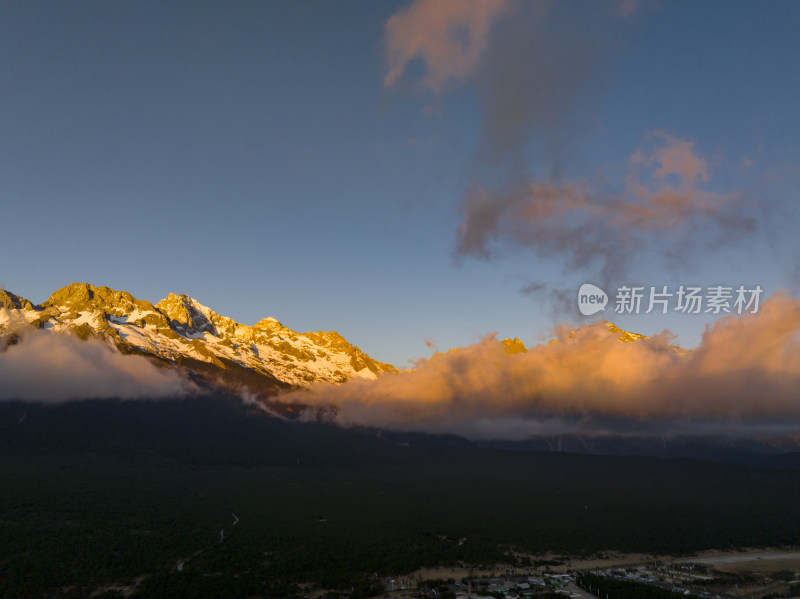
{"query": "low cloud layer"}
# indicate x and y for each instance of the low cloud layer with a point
(744, 376)
(54, 368)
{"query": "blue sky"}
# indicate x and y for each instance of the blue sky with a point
(255, 156)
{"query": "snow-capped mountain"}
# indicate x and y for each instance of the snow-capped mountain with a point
(265, 357)
(178, 329)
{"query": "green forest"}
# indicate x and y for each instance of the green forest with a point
(98, 495)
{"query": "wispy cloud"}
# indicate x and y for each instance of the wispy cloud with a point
(54, 368)
(663, 199)
(448, 37)
(745, 374)
(539, 71)
(537, 67)
(540, 85)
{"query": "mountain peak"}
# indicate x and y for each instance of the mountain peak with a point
(14, 302)
(181, 331)
(188, 316)
(78, 297)
(186, 300)
(514, 346)
(72, 293)
(624, 336)
(269, 323)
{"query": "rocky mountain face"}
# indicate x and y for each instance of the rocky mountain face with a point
(180, 330)
(264, 358)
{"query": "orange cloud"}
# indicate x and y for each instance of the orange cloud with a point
(583, 225)
(448, 37)
(673, 196)
(677, 157)
(746, 372)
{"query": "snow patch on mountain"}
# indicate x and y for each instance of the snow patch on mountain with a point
(179, 328)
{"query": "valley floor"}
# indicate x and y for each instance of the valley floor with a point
(102, 495)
